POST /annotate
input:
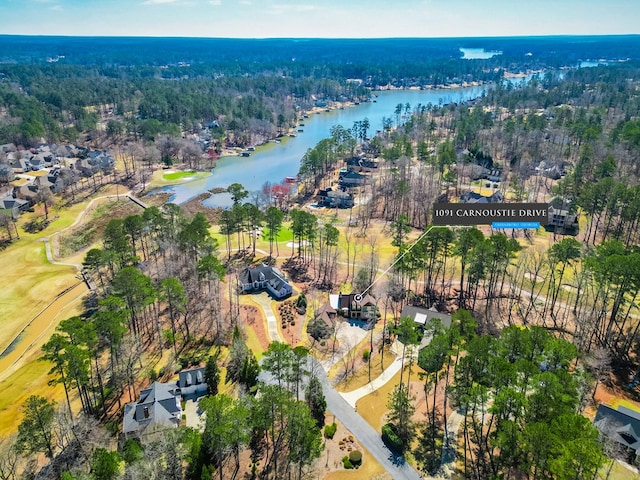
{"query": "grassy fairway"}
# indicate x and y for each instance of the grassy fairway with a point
(162, 178)
(178, 175)
(31, 379)
(30, 283)
(31, 286)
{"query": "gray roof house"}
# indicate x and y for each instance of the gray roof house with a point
(159, 406)
(622, 425)
(335, 198)
(192, 382)
(563, 221)
(473, 197)
(265, 277)
(352, 179)
(14, 206)
(423, 315)
(6, 173)
(157, 409)
(52, 182)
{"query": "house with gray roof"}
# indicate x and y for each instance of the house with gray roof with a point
(423, 316)
(265, 277)
(352, 179)
(335, 198)
(158, 409)
(563, 221)
(6, 173)
(473, 197)
(192, 383)
(14, 206)
(622, 426)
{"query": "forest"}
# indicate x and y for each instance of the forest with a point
(199, 81)
(539, 319)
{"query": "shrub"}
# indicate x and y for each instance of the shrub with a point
(318, 329)
(366, 354)
(346, 463)
(330, 430)
(132, 451)
(391, 438)
(355, 457)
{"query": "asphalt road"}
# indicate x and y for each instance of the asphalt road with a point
(358, 426)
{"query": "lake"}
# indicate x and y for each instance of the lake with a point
(273, 162)
(478, 53)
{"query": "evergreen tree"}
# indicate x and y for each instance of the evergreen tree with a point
(35, 432)
(314, 396)
(212, 375)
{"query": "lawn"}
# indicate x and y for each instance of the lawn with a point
(618, 472)
(31, 379)
(162, 178)
(30, 283)
(30, 376)
(284, 235)
(178, 175)
(374, 406)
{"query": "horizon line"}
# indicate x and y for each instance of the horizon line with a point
(555, 35)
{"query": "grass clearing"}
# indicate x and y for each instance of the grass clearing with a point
(161, 178)
(373, 407)
(90, 231)
(30, 283)
(618, 472)
(178, 175)
(31, 379)
(19, 182)
(284, 235)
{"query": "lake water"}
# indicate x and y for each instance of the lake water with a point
(478, 53)
(273, 162)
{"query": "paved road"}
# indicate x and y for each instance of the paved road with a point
(368, 437)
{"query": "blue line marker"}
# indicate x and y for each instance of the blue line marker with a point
(515, 225)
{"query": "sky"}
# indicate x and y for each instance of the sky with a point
(319, 18)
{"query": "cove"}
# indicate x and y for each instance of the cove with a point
(274, 162)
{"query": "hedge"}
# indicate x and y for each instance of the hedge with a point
(391, 439)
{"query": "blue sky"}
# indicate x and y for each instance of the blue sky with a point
(319, 18)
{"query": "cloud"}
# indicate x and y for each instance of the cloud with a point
(292, 7)
(215, 3)
(57, 8)
(162, 2)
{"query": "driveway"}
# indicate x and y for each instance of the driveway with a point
(264, 300)
(194, 417)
